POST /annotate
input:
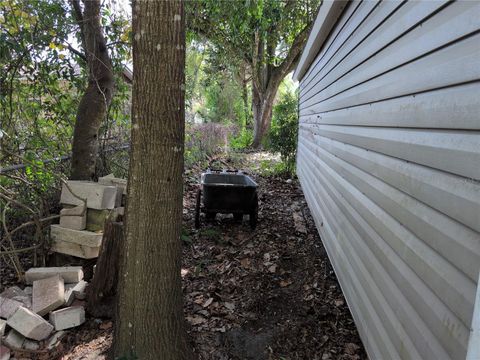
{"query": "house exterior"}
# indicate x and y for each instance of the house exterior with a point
(389, 161)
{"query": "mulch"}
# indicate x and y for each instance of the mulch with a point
(268, 293)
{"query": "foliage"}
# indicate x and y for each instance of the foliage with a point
(284, 131)
(43, 74)
(213, 92)
(203, 141)
(242, 141)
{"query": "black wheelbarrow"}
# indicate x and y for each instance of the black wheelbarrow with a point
(227, 192)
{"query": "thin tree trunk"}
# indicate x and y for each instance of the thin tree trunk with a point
(94, 103)
(262, 105)
(150, 321)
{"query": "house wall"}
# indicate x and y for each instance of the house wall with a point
(389, 161)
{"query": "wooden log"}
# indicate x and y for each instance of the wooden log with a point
(101, 292)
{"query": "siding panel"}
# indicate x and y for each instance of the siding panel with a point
(389, 161)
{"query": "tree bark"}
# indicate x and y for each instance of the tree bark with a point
(267, 78)
(102, 290)
(150, 322)
(96, 99)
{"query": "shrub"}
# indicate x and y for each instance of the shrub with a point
(284, 131)
(205, 140)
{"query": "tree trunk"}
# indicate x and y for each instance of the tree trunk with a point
(262, 114)
(102, 290)
(150, 322)
(94, 103)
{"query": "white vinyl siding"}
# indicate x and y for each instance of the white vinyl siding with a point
(389, 161)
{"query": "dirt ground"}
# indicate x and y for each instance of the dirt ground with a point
(270, 293)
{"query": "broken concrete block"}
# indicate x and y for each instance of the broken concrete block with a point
(97, 196)
(3, 325)
(74, 218)
(8, 307)
(70, 274)
(81, 237)
(67, 318)
(4, 353)
(54, 340)
(14, 340)
(81, 251)
(73, 291)
(15, 293)
(48, 294)
(28, 290)
(29, 324)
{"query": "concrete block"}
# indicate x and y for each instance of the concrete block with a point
(14, 339)
(29, 324)
(81, 251)
(74, 218)
(81, 237)
(30, 345)
(70, 274)
(3, 325)
(54, 340)
(48, 294)
(114, 181)
(28, 290)
(75, 291)
(4, 353)
(67, 318)
(8, 307)
(97, 196)
(15, 293)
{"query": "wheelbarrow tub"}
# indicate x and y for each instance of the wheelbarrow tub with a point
(228, 193)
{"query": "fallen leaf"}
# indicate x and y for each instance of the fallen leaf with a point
(196, 320)
(351, 348)
(285, 283)
(245, 262)
(229, 305)
(339, 302)
(208, 302)
(272, 268)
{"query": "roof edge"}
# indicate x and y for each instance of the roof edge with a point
(327, 17)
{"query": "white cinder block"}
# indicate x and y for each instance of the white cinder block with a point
(67, 318)
(97, 196)
(81, 251)
(73, 291)
(70, 274)
(29, 324)
(3, 325)
(14, 339)
(81, 237)
(48, 294)
(74, 218)
(8, 307)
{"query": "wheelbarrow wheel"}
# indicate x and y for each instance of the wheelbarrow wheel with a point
(197, 209)
(254, 213)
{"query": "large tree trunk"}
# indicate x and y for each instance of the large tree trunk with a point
(262, 105)
(94, 103)
(150, 322)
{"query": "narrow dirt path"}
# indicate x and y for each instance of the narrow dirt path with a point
(270, 293)
(264, 294)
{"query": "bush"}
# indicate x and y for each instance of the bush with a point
(242, 140)
(205, 140)
(284, 131)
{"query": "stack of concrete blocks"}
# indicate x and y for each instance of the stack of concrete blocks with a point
(86, 207)
(54, 293)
